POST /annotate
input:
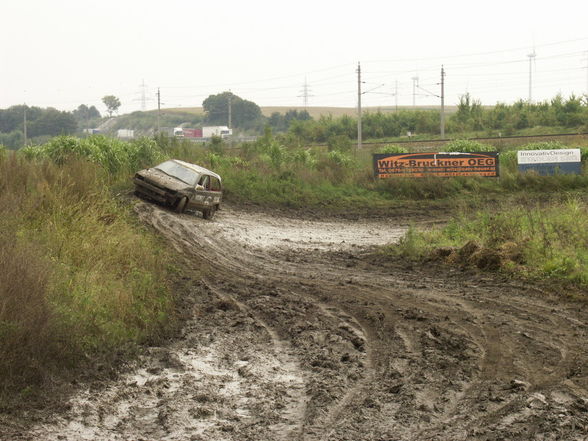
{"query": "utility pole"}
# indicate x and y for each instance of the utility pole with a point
(25, 126)
(396, 95)
(305, 93)
(442, 102)
(143, 96)
(415, 82)
(358, 106)
(158, 110)
(531, 58)
(230, 110)
(586, 73)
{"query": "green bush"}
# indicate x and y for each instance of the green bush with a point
(508, 161)
(304, 158)
(340, 159)
(216, 145)
(467, 146)
(545, 145)
(114, 155)
(547, 242)
(392, 148)
(341, 143)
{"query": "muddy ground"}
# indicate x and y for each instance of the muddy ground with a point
(298, 333)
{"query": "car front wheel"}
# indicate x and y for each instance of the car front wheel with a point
(209, 213)
(181, 206)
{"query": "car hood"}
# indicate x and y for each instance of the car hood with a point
(163, 180)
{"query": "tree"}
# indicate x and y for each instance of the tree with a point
(85, 113)
(300, 115)
(40, 122)
(52, 122)
(244, 114)
(112, 104)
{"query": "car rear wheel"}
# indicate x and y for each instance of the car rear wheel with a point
(181, 206)
(209, 213)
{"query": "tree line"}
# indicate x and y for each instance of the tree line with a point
(470, 116)
(42, 123)
(220, 109)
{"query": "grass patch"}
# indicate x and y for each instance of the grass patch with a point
(546, 242)
(79, 278)
(268, 172)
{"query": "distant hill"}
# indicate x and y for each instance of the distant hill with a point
(316, 112)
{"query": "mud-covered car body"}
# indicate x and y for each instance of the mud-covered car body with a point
(181, 185)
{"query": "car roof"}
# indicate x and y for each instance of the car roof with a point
(197, 168)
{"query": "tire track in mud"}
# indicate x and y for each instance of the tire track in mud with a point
(326, 399)
(294, 407)
(485, 343)
(298, 334)
(514, 344)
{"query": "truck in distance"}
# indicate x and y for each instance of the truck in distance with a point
(203, 133)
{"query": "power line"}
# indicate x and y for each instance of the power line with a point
(305, 93)
(445, 57)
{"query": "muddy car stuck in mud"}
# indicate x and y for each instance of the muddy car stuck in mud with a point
(181, 185)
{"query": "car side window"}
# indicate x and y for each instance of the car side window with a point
(204, 181)
(215, 184)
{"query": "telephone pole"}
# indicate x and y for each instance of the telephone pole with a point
(396, 95)
(25, 126)
(415, 83)
(531, 58)
(442, 102)
(143, 96)
(230, 110)
(158, 110)
(358, 106)
(587, 73)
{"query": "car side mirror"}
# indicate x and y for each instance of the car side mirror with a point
(199, 187)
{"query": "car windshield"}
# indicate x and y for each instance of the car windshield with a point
(178, 171)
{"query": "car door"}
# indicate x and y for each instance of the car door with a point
(216, 190)
(203, 196)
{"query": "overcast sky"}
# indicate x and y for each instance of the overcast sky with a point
(63, 53)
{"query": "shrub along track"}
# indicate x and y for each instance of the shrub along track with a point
(297, 332)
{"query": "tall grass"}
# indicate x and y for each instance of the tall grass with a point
(270, 172)
(538, 241)
(114, 155)
(79, 278)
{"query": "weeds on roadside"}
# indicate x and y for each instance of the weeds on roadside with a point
(114, 155)
(78, 276)
(269, 172)
(550, 241)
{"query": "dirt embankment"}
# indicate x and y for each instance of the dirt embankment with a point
(296, 335)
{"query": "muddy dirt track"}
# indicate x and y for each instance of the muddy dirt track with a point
(298, 333)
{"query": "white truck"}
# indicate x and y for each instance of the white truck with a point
(203, 133)
(125, 133)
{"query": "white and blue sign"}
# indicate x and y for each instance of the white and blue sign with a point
(550, 162)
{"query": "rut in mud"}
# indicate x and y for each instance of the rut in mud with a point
(296, 334)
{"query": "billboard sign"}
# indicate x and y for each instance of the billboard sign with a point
(443, 164)
(550, 162)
